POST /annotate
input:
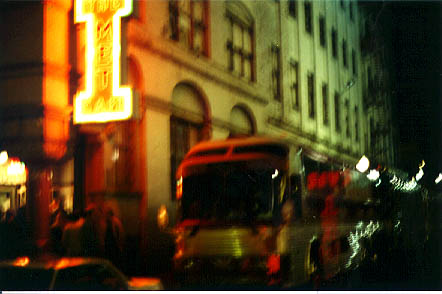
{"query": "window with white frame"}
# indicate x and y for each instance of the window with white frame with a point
(189, 24)
(240, 44)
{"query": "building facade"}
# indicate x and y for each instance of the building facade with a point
(197, 70)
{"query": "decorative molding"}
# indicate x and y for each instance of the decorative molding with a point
(165, 107)
(169, 51)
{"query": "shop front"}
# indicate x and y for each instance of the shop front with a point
(13, 177)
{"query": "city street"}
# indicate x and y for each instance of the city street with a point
(220, 145)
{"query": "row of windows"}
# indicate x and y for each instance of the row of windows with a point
(325, 102)
(188, 21)
(189, 26)
(322, 32)
(293, 10)
(334, 45)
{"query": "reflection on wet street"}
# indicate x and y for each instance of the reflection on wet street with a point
(392, 254)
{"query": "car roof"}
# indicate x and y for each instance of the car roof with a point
(234, 142)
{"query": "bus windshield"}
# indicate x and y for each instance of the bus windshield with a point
(232, 193)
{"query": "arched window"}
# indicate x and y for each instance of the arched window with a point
(241, 41)
(189, 124)
(241, 121)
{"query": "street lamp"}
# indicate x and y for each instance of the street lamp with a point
(363, 164)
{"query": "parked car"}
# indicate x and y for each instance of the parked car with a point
(69, 273)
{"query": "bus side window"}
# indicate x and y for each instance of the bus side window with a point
(295, 194)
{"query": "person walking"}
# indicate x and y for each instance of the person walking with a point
(114, 238)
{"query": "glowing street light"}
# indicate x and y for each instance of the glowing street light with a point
(438, 179)
(419, 175)
(363, 164)
(373, 175)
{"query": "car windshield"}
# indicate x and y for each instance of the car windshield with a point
(25, 278)
(231, 193)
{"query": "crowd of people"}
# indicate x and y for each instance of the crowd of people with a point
(15, 235)
(97, 232)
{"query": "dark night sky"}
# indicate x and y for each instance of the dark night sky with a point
(416, 40)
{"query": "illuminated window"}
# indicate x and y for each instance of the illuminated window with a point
(334, 36)
(189, 24)
(276, 72)
(344, 53)
(337, 113)
(325, 103)
(294, 72)
(311, 95)
(322, 37)
(292, 7)
(240, 43)
(308, 17)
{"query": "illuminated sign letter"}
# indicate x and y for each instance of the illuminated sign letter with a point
(103, 98)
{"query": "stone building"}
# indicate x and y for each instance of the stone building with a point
(197, 70)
